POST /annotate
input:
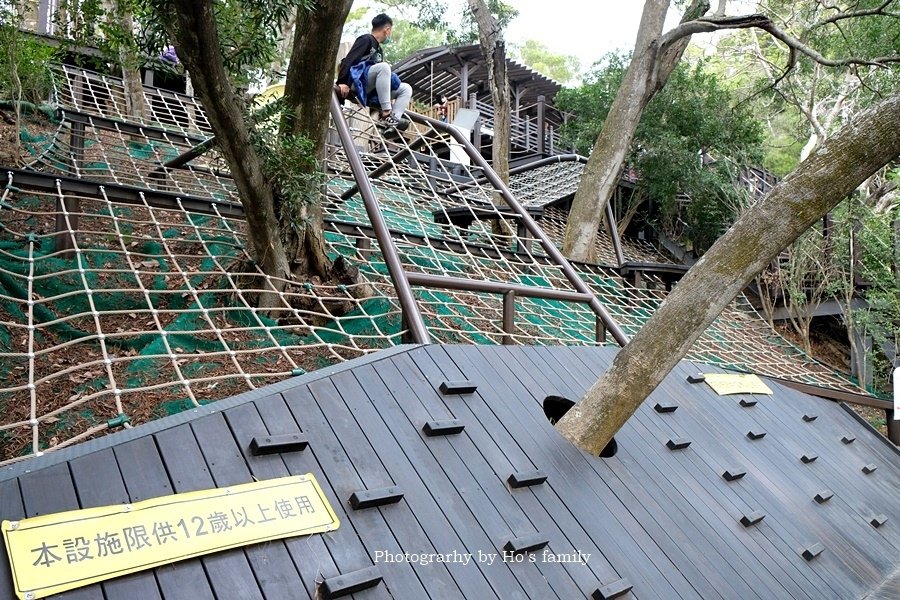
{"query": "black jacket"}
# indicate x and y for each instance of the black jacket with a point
(365, 48)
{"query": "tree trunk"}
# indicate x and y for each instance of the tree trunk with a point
(490, 36)
(197, 37)
(646, 75)
(130, 60)
(308, 90)
(837, 168)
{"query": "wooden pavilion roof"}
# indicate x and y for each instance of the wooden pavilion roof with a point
(433, 72)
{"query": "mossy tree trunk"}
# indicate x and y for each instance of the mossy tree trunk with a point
(832, 172)
(308, 91)
(129, 58)
(650, 68)
(285, 244)
(490, 37)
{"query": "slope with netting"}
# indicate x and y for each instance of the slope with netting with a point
(126, 290)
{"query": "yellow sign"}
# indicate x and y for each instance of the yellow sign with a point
(725, 384)
(50, 554)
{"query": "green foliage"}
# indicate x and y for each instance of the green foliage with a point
(408, 38)
(430, 22)
(27, 60)
(249, 30)
(694, 113)
(810, 99)
(559, 67)
(863, 251)
(78, 21)
(291, 165)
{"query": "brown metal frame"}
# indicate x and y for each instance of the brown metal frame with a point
(408, 305)
(559, 158)
(549, 247)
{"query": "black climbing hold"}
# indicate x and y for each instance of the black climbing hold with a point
(525, 479)
(350, 583)
(458, 387)
(378, 497)
(448, 427)
(678, 444)
(273, 444)
(810, 552)
(823, 496)
(733, 474)
(752, 518)
(526, 543)
(612, 590)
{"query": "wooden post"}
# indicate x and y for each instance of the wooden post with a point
(44, 18)
(600, 332)
(364, 248)
(65, 229)
(893, 427)
(523, 241)
(476, 131)
(856, 253)
(509, 317)
(541, 124)
(464, 81)
(896, 265)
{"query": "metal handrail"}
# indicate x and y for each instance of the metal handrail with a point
(408, 305)
(549, 247)
(558, 158)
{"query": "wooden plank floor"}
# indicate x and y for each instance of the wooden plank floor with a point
(663, 520)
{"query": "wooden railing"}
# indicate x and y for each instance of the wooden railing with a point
(527, 132)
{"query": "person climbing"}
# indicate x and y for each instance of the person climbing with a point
(363, 71)
(169, 56)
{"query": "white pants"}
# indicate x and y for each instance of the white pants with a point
(380, 80)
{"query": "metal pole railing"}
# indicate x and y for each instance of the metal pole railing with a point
(550, 160)
(408, 304)
(548, 245)
(495, 287)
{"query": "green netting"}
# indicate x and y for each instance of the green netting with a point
(153, 310)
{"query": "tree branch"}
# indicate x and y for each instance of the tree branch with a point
(851, 14)
(763, 22)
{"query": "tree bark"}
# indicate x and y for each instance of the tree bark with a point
(307, 91)
(130, 61)
(650, 68)
(198, 47)
(837, 168)
(490, 37)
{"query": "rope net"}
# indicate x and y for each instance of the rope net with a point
(117, 312)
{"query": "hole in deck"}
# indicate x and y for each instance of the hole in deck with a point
(557, 406)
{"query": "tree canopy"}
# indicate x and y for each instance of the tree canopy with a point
(695, 116)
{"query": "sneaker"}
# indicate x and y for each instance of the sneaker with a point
(392, 122)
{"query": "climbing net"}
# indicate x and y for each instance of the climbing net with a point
(118, 308)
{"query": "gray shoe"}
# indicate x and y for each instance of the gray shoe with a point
(391, 122)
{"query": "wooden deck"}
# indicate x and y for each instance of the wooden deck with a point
(665, 523)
